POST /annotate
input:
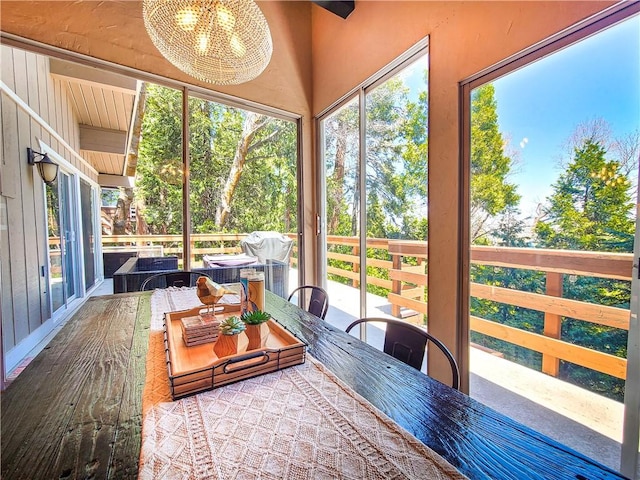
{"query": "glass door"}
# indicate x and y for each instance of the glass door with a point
(62, 242)
(341, 152)
(88, 233)
(243, 171)
(374, 149)
(552, 163)
(631, 423)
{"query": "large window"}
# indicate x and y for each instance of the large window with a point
(552, 163)
(243, 177)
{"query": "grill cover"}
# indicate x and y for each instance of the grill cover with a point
(267, 245)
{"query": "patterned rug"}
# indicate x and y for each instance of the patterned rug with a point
(297, 423)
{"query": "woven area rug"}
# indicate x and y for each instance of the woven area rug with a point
(298, 423)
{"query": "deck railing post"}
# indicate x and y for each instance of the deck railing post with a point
(396, 285)
(356, 267)
(552, 323)
(192, 255)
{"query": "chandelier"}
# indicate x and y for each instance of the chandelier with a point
(224, 42)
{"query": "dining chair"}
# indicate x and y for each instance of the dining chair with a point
(181, 278)
(318, 303)
(408, 342)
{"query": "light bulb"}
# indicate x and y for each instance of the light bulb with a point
(226, 19)
(237, 47)
(187, 19)
(203, 43)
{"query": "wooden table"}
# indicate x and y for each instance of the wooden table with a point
(75, 411)
(478, 441)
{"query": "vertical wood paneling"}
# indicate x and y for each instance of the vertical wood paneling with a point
(9, 144)
(8, 183)
(26, 89)
(112, 114)
(73, 98)
(15, 213)
(52, 105)
(31, 206)
(57, 126)
(8, 334)
(37, 284)
(63, 128)
(121, 108)
(43, 80)
(101, 107)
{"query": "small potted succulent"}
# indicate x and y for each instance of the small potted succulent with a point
(227, 343)
(257, 329)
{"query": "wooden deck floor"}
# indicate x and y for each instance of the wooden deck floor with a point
(55, 425)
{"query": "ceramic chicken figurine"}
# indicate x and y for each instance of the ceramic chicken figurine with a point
(209, 292)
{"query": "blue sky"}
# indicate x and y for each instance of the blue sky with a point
(540, 105)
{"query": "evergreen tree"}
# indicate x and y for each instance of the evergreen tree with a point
(591, 209)
(491, 193)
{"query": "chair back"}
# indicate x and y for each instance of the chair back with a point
(318, 303)
(408, 343)
(180, 278)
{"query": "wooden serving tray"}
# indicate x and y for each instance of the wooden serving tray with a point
(198, 368)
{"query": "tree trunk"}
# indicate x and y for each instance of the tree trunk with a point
(142, 228)
(134, 131)
(355, 216)
(121, 217)
(252, 124)
(338, 179)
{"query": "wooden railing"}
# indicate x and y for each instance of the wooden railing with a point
(404, 266)
(201, 244)
(407, 283)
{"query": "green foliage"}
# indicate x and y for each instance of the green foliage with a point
(590, 208)
(491, 193)
(255, 317)
(109, 197)
(265, 197)
(232, 326)
(396, 164)
(159, 170)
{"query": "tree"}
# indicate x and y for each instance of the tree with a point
(242, 167)
(247, 143)
(590, 206)
(491, 193)
(341, 154)
(591, 209)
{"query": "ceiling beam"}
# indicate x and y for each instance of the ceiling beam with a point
(339, 7)
(95, 139)
(105, 180)
(74, 72)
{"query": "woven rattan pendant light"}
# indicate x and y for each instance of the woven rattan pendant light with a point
(225, 42)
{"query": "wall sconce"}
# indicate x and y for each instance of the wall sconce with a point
(48, 170)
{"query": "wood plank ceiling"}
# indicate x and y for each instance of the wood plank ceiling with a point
(103, 102)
